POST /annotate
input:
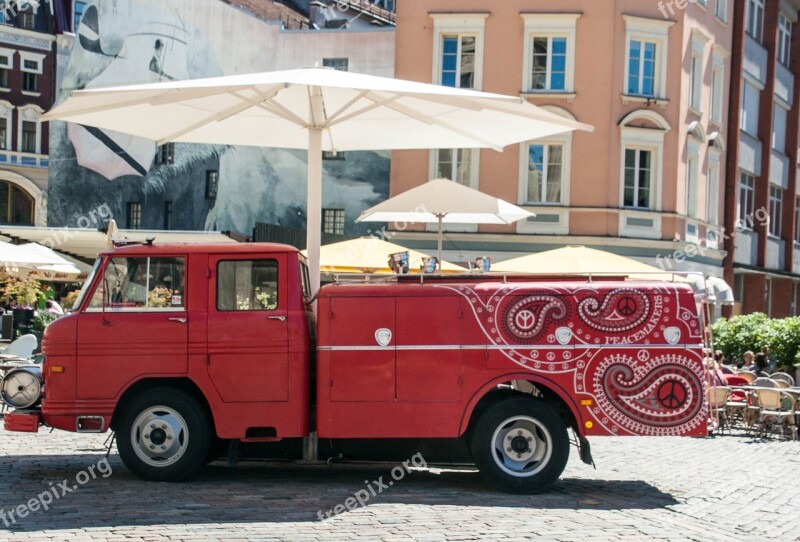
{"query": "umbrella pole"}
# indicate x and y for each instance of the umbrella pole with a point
(314, 207)
(439, 263)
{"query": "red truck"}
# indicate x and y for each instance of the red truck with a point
(181, 349)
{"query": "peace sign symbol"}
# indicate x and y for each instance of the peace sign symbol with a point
(525, 320)
(671, 394)
(626, 306)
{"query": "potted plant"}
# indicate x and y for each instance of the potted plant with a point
(25, 292)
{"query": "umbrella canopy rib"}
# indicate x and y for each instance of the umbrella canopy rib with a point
(376, 103)
(271, 106)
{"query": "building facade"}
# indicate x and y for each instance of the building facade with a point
(652, 79)
(28, 34)
(761, 202)
(206, 187)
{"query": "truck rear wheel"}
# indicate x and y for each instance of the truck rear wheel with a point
(520, 445)
(164, 435)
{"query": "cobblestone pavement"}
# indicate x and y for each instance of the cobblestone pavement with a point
(719, 488)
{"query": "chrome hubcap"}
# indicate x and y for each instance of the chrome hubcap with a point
(522, 446)
(160, 436)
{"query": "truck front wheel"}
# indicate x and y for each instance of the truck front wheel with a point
(164, 435)
(520, 445)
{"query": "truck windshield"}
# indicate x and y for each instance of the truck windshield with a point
(88, 284)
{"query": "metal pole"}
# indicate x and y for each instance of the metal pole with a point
(440, 217)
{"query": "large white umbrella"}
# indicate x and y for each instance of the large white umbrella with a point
(36, 261)
(443, 201)
(315, 109)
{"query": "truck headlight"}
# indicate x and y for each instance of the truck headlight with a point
(22, 387)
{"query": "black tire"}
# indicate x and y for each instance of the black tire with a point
(164, 435)
(536, 437)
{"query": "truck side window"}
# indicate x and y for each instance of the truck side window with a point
(142, 284)
(247, 285)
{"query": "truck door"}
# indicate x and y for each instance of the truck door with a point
(135, 325)
(248, 340)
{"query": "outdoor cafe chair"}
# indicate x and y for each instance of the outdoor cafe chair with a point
(21, 348)
(776, 406)
(717, 405)
(783, 377)
(747, 375)
(764, 382)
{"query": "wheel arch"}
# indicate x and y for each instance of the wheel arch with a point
(553, 394)
(179, 383)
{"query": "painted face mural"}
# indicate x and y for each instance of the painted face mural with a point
(123, 42)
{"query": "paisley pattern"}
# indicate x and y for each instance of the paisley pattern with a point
(632, 354)
(621, 310)
(526, 319)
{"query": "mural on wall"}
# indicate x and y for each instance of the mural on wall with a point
(140, 41)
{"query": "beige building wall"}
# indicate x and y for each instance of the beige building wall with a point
(591, 209)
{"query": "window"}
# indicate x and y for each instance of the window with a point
(722, 10)
(784, 39)
(458, 49)
(746, 205)
(642, 68)
(754, 22)
(165, 154)
(692, 185)
(340, 64)
(167, 215)
(333, 221)
(544, 173)
(797, 220)
(638, 172)
(549, 52)
(30, 82)
(80, 7)
(696, 82)
(750, 106)
(30, 132)
(779, 120)
(142, 284)
(458, 61)
(26, 19)
(6, 66)
(247, 285)
(3, 133)
(16, 205)
(703, 3)
(717, 89)
(31, 65)
(134, 215)
(712, 194)
(212, 183)
(457, 165)
(775, 210)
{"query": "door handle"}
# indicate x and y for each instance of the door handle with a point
(281, 318)
(179, 320)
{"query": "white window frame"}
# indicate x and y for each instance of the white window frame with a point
(785, 25)
(697, 71)
(797, 220)
(693, 180)
(718, 85)
(743, 109)
(754, 25)
(776, 193)
(713, 185)
(30, 113)
(460, 24)
(474, 166)
(721, 10)
(7, 112)
(565, 142)
(9, 53)
(549, 25)
(25, 56)
(648, 30)
(745, 206)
